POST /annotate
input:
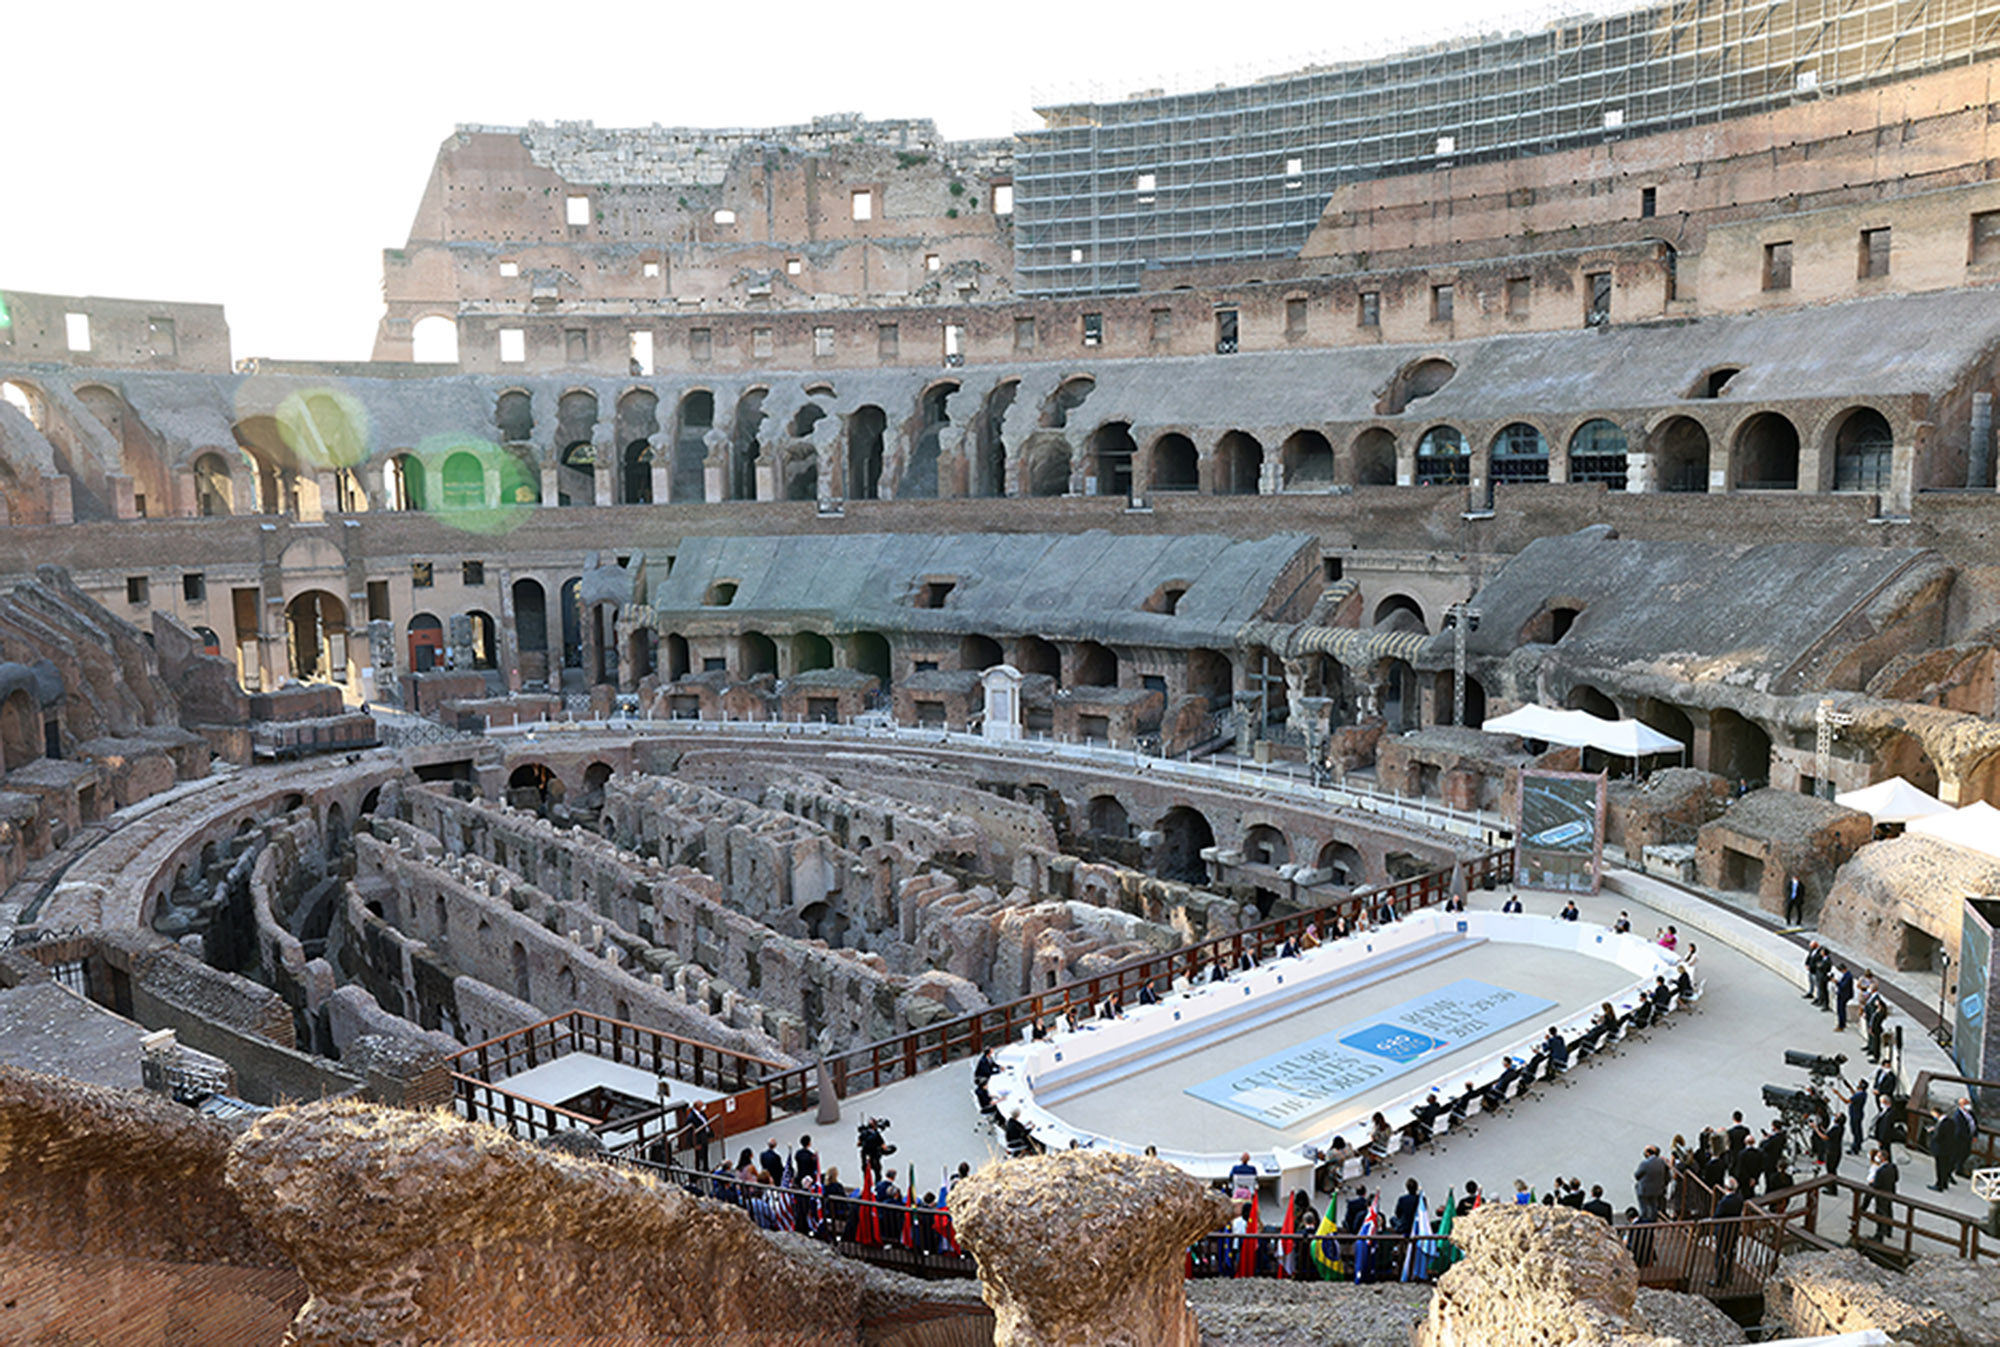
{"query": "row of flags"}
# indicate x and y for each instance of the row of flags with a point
(802, 1206)
(1330, 1255)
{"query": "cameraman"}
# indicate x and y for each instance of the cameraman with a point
(873, 1148)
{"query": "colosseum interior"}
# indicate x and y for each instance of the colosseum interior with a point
(781, 597)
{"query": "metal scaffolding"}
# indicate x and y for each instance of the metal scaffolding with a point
(1234, 173)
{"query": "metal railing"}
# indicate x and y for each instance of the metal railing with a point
(910, 1054)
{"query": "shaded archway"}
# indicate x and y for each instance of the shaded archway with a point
(1443, 457)
(678, 659)
(1105, 816)
(1374, 458)
(1520, 454)
(1864, 451)
(483, 640)
(1094, 666)
(514, 414)
(1584, 697)
(1046, 461)
(1184, 833)
(1767, 454)
(1036, 656)
(1342, 862)
(1308, 461)
(1681, 452)
(1266, 845)
(21, 739)
(810, 650)
(920, 473)
(403, 482)
(871, 654)
(1239, 465)
(462, 482)
(571, 599)
(1175, 464)
(865, 429)
(316, 637)
(1111, 450)
(693, 421)
(1444, 704)
(1210, 675)
(533, 786)
(1737, 748)
(989, 469)
(979, 652)
(756, 653)
(214, 491)
(1400, 612)
(636, 473)
(745, 443)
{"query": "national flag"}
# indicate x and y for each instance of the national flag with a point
(868, 1229)
(1246, 1250)
(1364, 1243)
(1447, 1252)
(1325, 1248)
(910, 1215)
(1417, 1257)
(1286, 1245)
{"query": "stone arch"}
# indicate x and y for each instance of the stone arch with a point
(1388, 609)
(1444, 704)
(434, 340)
(1105, 816)
(462, 482)
(1093, 665)
(1342, 862)
(1184, 833)
(1598, 452)
(741, 479)
(21, 739)
(1046, 465)
(866, 428)
(1111, 451)
(403, 483)
(1766, 454)
(810, 650)
(1373, 456)
(1680, 455)
(1067, 397)
(425, 633)
(1584, 697)
(514, 414)
(679, 661)
(1308, 460)
(1443, 457)
(989, 454)
(1520, 454)
(756, 654)
(870, 653)
(979, 652)
(1861, 451)
(483, 650)
(1175, 465)
(1738, 748)
(1415, 381)
(694, 417)
(1904, 755)
(1266, 844)
(1239, 464)
(920, 474)
(1210, 675)
(316, 637)
(214, 488)
(1038, 656)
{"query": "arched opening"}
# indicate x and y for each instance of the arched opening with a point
(1106, 817)
(1767, 454)
(1584, 697)
(1443, 458)
(595, 778)
(1175, 464)
(1414, 382)
(678, 661)
(1738, 749)
(1265, 845)
(1069, 395)
(1046, 461)
(426, 641)
(1343, 864)
(636, 473)
(1669, 720)
(524, 987)
(570, 598)
(1444, 706)
(989, 469)
(1520, 454)
(1184, 834)
(694, 420)
(641, 659)
(1681, 450)
(1399, 697)
(810, 650)
(211, 643)
(871, 654)
(1375, 458)
(20, 730)
(604, 642)
(865, 430)
(434, 340)
(801, 471)
(1111, 450)
(1903, 755)
(1980, 780)
(744, 446)
(920, 474)
(514, 414)
(403, 482)
(316, 637)
(531, 617)
(27, 400)
(1037, 656)
(1095, 666)
(1400, 612)
(1307, 460)
(214, 491)
(1864, 451)
(483, 649)
(576, 474)
(979, 652)
(1239, 467)
(1552, 623)
(1598, 453)
(1209, 674)
(463, 483)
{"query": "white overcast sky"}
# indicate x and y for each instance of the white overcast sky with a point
(262, 155)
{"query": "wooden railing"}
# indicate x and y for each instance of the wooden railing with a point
(792, 1090)
(1917, 1119)
(634, 1045)
(1838, 1211)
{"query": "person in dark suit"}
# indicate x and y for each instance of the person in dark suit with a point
(1597, 1206)
(1882, 1176)
(1513, 903)
(1406, 1207)
(1857, 1105)
(1726, 1231)
(1951, 1142)
(1569, 912)
(1843, 993)
(1748, 1167)
(1738, 1133)
(1818, 964)
(1649, 1182)
(1887, 1128)
(1795, 901)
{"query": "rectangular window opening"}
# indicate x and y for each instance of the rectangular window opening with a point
(378, 600)
(932, 262)
(1778, 265)
(420, 575)
(1986, 237)
(761, 344)
(888, 341)
(1163, 326)
(160, 333)
(1093, 329)
(640, 350)
(1371, 308)
(1518, 290)
(701, 344)
(1874, 253)
(822, 340)
(794, 266)
(1441, 303)
(576, 345)
(76, 327)
(513, 345)
(1024, 334)
(1225, 331)
(1597, 285)
(1649, 202)
(194, 587)
(861, 204)
(577, 210)
(137, 590)
(1295, 318)
(1003, 198)
(472, 573)
(650, 270)
(510, 270)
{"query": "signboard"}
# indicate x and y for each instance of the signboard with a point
(1310, 1078)
(1972, 1036)
(1559, 831)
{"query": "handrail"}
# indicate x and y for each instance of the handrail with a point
(578, 1030)
(905, 1055)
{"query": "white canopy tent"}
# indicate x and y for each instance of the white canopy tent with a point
(1893, 801)
(1619, 738)
(1975, 827)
